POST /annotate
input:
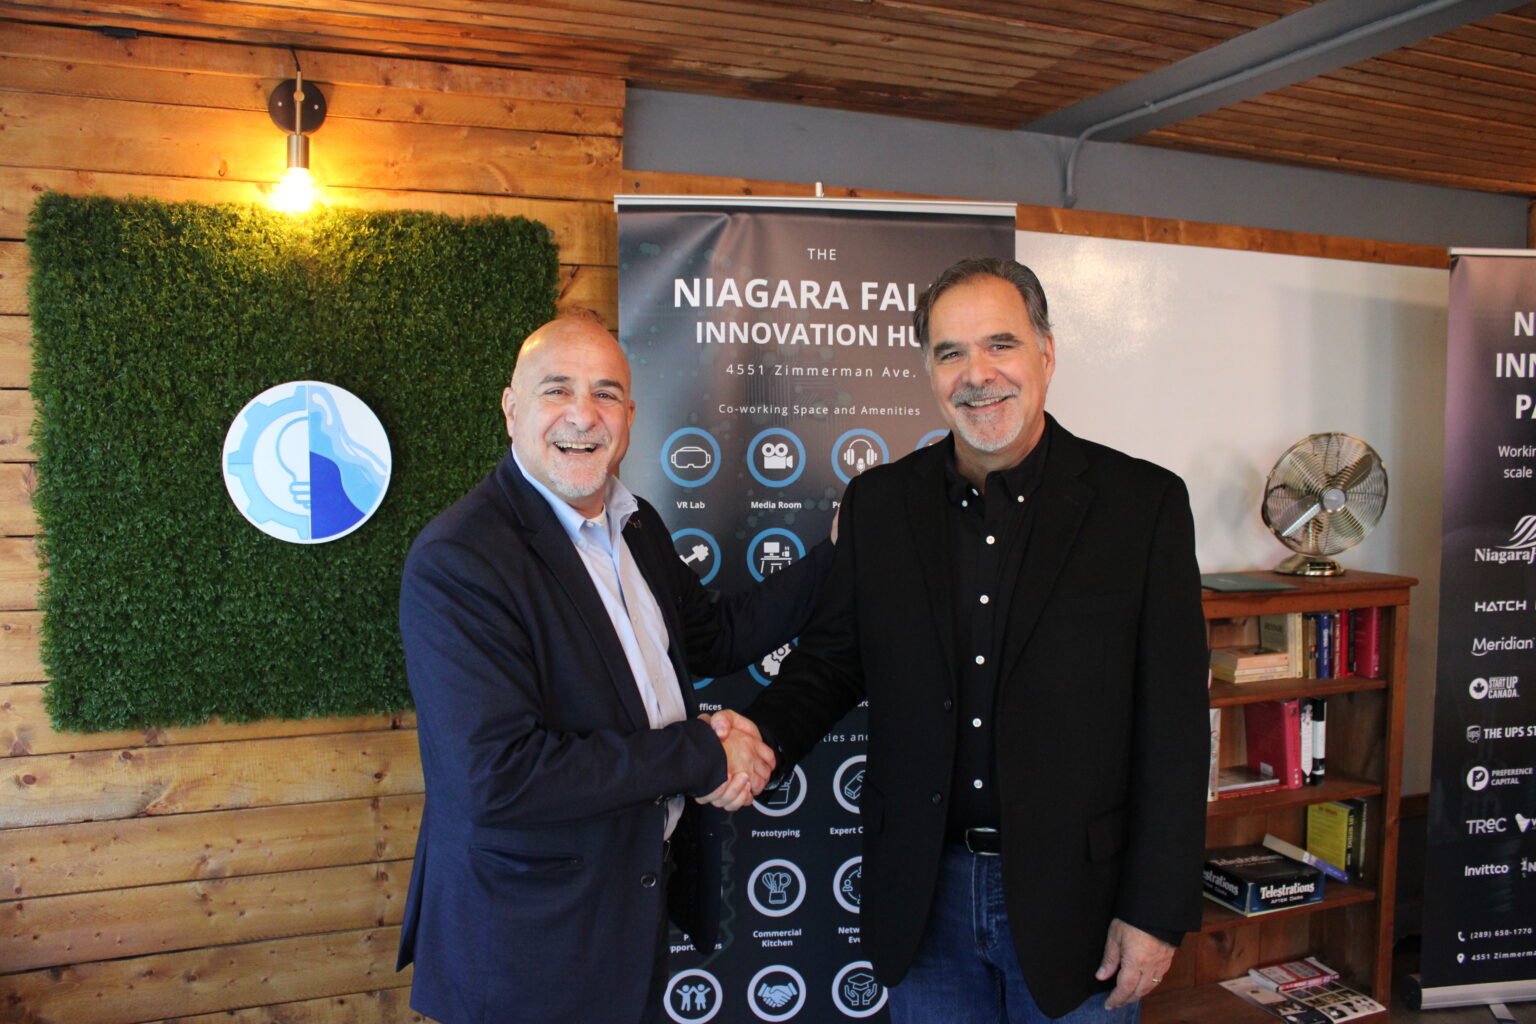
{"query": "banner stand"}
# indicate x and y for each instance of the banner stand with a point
(774, 359)
(1480, 876)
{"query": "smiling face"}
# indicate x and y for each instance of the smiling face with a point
(568, 410)
(989, 371)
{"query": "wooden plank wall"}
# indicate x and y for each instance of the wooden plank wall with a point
(238, 873)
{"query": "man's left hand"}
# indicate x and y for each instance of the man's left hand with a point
(1141, 960)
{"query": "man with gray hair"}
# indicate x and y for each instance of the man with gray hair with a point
(1021, 609)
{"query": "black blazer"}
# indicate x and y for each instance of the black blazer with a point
(534, 895)
(1101, 728)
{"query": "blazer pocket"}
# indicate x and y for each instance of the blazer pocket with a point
(524, 851)
(1106, 836)
(526, 863)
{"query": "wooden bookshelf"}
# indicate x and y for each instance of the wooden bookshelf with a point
(1351, 928)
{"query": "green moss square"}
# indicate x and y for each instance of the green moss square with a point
(154, 324)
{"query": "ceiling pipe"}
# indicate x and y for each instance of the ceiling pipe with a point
(1069, 174)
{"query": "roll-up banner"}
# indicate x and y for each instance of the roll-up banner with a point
(774, 359)
(1480, 883)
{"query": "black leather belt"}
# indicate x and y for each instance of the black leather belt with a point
(984, 842)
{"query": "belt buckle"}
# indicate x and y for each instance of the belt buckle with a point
(991, 842)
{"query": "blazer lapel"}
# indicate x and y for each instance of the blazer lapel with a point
(548, 541)
(925, 517)
(1063, 501)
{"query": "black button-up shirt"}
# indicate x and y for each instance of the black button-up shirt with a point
(987, 534)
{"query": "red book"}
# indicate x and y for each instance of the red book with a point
(1343, 646)
(1367, 642)
(1274, 740)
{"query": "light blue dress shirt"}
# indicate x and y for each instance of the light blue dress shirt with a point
(631, 606)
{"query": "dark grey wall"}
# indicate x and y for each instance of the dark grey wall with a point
(784, 142)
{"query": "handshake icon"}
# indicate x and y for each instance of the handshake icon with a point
(777, 996)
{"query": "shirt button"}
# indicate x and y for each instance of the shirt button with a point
(976, 722)
(965, 504)
(976, 783)
(991, 540)
(1020, 499)
(948, 704)
(648, 880)
(985, 599)
(981, 659)
(937, 798)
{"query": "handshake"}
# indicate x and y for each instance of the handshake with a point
(748, 761)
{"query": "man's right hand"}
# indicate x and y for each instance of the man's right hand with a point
(749, 762)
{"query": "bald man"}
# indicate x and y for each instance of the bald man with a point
(551, 636)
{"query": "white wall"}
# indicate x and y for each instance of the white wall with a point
(1213, 362)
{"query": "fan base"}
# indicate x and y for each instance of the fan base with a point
(1310, 565)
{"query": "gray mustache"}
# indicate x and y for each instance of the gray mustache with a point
(972, 393)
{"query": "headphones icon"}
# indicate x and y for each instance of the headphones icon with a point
(860, 454)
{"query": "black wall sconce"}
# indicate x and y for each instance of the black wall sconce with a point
(297, 109)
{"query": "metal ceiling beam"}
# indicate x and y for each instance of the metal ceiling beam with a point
(1325, 36)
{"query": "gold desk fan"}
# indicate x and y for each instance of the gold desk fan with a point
(1323, 496)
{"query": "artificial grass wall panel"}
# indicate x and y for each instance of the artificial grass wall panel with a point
(154, 324)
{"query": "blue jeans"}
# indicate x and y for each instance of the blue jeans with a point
(966, 970)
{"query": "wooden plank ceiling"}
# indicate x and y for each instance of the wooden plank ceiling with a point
(1456, 109)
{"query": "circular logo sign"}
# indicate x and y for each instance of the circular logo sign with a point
(776, 888)
(856, 992)
(786, 797)
(693, 997)
(776, 992)
(848, 884)
(306, 462)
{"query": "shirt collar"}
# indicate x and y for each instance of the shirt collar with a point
(618, 505)
(1019, 480)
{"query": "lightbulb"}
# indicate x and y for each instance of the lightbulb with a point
(296, 192)
(293, 456)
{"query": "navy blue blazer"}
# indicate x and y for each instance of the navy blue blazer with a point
(1102, 742)
(535, 891)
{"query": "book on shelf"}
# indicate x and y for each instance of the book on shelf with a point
(1253, 879)
(1246, 664)
(1273, 732)
(1365, 624)
(1240, 780)
(1306, 706)
(1283, 633)
(1324, 644)
(1213, 781)
(1291, 850)
(1293, 974)
(1343, 646)
(1328, 1003)
(1239, 582)
(1314, 738)
(1251, 675)
(1336, 833)
(1247, 657)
